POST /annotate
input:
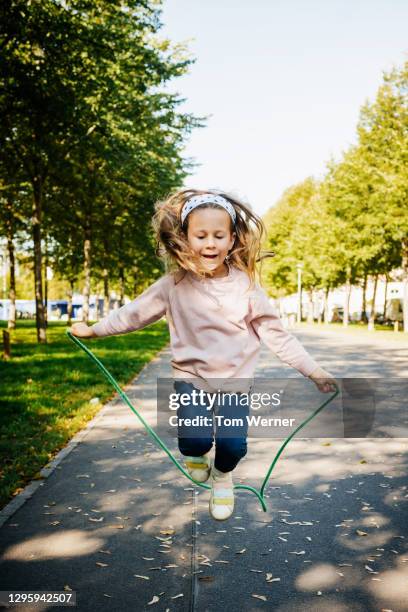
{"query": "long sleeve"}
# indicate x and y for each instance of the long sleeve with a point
(266, 323)
(147, 308)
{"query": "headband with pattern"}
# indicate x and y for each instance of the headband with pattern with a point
(207, 198)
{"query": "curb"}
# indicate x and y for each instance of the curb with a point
(29, 490)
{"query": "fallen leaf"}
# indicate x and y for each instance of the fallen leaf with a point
(239, 552)
(176, 596)
(259, 596)
(361, 533)
(144, 577)
(101, 564)
(167, 531)
(295, 552)
(154, 600)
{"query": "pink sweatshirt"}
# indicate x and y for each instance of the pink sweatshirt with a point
(215, 325)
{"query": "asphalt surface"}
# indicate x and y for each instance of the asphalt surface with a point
(118, 524)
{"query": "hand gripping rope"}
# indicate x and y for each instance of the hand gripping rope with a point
(260, 493)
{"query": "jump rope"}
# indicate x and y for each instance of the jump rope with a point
(259, 494)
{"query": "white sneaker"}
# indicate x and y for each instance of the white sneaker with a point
(199, 468)
(221, 504)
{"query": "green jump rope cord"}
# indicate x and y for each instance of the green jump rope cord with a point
(259, 494)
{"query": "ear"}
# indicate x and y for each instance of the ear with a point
(231, 244)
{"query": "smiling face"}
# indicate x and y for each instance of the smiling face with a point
(209, 235)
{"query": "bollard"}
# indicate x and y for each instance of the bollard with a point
(6, 345)
(396, 326)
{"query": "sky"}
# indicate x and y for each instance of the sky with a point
(282, 82)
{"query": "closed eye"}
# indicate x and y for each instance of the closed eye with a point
(217, 237)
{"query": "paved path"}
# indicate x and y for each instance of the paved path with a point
(117, 523)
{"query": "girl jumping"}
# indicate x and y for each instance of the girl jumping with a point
(217, 315)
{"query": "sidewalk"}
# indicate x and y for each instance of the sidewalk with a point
(120, 525)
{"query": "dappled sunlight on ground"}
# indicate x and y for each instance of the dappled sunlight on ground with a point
(338, 458)
(318, 577)
(393, 584)
(69, 543)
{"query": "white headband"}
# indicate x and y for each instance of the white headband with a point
(207, 198)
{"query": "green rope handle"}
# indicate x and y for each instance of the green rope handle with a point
(259, 494)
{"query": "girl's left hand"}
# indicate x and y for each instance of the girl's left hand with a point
(323, 380)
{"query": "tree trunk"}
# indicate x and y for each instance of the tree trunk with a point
(135, 273)
(326, 306)
(310, 306)
(46, 282)
(36, 222)
(405, 282)
(385, 296)
(69, 304)
(364, 317)
(87, 274)
(372, 313)
(121, 270)
(106, 296)
(11, 255)
(121, 286)
(319, 307)
(346, 309)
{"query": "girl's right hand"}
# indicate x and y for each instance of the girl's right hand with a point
(82, 330)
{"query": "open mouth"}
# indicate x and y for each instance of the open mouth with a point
(210, 256)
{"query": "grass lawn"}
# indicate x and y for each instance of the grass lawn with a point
(46, 389)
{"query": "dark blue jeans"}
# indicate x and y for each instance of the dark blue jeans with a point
(230, 440)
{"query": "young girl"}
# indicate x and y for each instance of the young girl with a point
(217, 314)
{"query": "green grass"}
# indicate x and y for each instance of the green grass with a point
(45, 392)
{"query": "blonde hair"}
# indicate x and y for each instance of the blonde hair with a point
(173, 246)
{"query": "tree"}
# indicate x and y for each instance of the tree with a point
(81, 96)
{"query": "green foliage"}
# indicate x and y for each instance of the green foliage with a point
(90, 138)
(354, 222)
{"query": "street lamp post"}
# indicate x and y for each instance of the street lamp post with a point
(299, 268)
